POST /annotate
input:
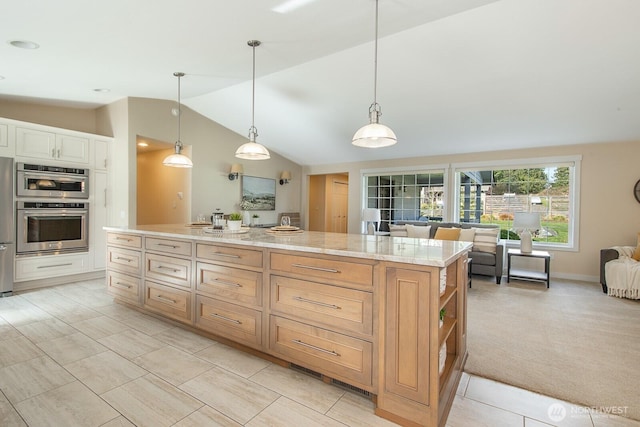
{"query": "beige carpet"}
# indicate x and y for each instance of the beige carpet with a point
(570, 341)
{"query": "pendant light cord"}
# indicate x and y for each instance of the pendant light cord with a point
(375, 62)
(253, 86)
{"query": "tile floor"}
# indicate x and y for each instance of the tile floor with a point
(70, 356)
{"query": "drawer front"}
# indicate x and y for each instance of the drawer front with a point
(228, 283)
(173, 247)
(331, 270)
(124, 260)
(171, 302)
(123, 286)
(230, 255)
(171, 270)
(336, 355)
(336, 307)
(122, 239)
(232, 321)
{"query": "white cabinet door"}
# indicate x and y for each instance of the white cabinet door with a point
(100, 154)
(31, 268)
(72, 149)
(7, 147)
(35, 143)
(98, 237)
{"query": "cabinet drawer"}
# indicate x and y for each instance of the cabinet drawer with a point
(228, 320)
(173, 247)
(171, 302)
(348, 309)
(349, 272)
(228, 283)
(123, 286)
(43, 267)
(336, 355)
(124, 260)
(230, 255)
(122, 239)
(168, 269)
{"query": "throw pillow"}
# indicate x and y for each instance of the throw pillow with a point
(486, 240)
(398, 230)
(419, 231)
(447, 233)
(467, 235)
(636, 253)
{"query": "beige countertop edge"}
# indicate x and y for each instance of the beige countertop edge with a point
(436, 253)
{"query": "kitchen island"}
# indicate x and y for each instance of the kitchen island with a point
(384, 316)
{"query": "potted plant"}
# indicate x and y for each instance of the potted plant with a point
(254, 219)
(235, 221)
(443, 312)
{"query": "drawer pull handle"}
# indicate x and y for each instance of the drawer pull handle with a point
(161, 267)
(304, 344)
(126, 239)
(123, 259)
(226, 282)
(226, 255)
(228, 319)
(311, 267)
(163, 298)
(323, 304)
(168, 246)
(55, 265)
(122, 285)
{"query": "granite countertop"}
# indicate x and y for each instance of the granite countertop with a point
(437, 253)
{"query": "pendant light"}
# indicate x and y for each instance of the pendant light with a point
(253, 150)
(178, 160)
(374, 135)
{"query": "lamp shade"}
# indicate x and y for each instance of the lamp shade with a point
(177, 160)
(526, 221)
(252, 151)
(374, 135)
(371, 215)
(286, 175)
(237, 168)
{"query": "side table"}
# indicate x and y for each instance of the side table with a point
(528, 274)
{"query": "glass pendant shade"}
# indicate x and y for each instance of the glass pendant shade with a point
(178, 160)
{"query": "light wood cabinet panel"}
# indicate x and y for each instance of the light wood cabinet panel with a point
(230, 255)
(172, 247)
(124, 260)
(123, 239)
(123, 286)
(168, 269)
(333, 306)
(339, 356)
(230, 284)
(228, 320)
(352, 272)
(169, 301)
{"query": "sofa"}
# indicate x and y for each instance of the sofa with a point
(487, 256)
(620, 271)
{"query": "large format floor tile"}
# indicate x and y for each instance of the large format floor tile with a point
(105, 371)
(32, 377)
(173, 365)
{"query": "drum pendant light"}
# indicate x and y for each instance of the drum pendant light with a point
(178, 160)
(253, 150)
(374, 135)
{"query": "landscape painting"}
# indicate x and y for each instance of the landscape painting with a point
(258, 194)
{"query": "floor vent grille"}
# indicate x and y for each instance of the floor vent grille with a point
(306, 371)
(350, 387)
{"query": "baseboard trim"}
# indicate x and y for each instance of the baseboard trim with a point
(54, 281)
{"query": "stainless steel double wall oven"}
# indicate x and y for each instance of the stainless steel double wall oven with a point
(52, 211)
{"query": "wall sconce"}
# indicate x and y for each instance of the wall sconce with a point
(285, 177)
(236, 170)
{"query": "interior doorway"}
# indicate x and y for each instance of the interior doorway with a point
(163, 193)
(329, 202)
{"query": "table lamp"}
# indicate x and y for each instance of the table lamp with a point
(371, 218)
(526, 222)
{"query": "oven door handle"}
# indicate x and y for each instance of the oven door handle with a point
(55, 176)
(49, 212)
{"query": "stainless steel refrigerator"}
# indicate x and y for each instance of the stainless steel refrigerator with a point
(7, 228)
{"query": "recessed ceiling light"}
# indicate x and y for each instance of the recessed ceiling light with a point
(142, 144)
(291, 5)
(102, 90)
(24, 44)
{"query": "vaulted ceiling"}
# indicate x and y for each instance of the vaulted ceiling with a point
(454, 76)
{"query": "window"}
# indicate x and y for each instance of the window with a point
(404, 196)
(495, 194)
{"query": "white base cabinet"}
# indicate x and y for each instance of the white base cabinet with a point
(40, 267)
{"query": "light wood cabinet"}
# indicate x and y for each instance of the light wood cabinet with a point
(229, 284)
(240, 324)
(124, 261)
(124, 286)
(168, 301)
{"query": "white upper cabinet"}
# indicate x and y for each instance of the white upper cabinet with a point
(100, 154)
(7, 148)
(51, 146)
